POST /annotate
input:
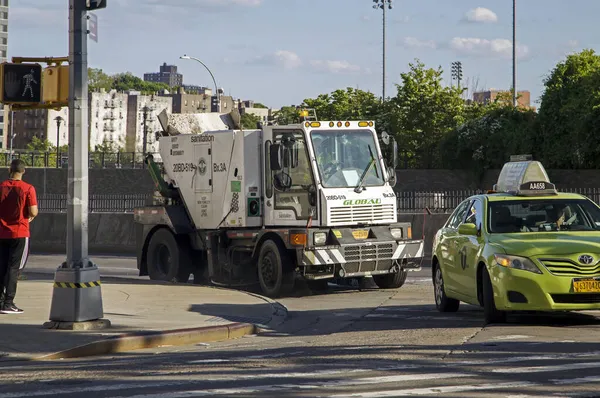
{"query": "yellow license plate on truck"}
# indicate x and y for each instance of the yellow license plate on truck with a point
(360, 234)
(586, 286)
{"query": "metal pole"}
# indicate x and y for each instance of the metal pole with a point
(211, 75)
(77, 305)
(514, 66)
(145, 137)
(383, 78)
(12, 132)
(58, 141)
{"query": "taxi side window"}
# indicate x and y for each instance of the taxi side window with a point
(459, 214)
(475, 214)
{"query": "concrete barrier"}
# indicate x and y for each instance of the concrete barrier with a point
(111, 233)
(108, 233)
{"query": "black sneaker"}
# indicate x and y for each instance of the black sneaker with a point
(10, 309)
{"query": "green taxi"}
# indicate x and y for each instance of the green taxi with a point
(521, 247)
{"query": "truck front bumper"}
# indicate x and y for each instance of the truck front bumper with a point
(361, 259)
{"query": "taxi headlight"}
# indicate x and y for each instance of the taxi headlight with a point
(396, 233)
(516, 262)
(320, 238)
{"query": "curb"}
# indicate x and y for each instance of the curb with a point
(153, 339)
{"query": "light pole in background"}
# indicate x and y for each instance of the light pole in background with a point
(457, 72)
(514, 66)
(59, 120)
(381, 5)
(12, 132)
(146, 110)
(211, 75)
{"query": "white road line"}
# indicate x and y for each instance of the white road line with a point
(210, 361)
(435, 390)
(81, 389)
(305, 386)
(525, 358)
(550, 368)
(511, 337)
(589, 379)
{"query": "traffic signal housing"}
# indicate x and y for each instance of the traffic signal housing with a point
(55, 88)
(95, 4)
(20, 83)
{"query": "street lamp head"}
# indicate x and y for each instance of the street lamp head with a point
(184, 56)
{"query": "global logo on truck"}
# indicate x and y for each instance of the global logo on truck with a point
(354, 202)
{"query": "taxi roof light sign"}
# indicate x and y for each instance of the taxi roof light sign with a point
(524, 177)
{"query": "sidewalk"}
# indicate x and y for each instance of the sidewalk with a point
(131, 306)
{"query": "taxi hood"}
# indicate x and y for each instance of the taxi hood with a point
(548, 243)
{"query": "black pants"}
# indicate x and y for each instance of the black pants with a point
(13, 256)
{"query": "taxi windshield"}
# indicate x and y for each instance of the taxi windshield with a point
(543, 215)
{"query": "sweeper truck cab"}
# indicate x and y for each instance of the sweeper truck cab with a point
(236, 207)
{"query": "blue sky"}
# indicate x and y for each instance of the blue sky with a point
(280, 52)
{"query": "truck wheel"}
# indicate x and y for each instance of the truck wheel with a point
(442, 302)
(391, 281)
(168, 259)
(490, 312)
(275, 272)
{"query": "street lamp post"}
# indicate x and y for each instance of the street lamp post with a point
(381, 5)
(145, 137)
(514, 55)
(59, 120)
(211, 75)
(12, 131)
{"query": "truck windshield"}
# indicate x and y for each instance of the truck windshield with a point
(344, 155)
(540, 215)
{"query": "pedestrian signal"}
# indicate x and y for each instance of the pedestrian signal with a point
(20, 83)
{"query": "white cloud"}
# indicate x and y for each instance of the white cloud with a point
(481, 15)
(413, 42)
(336, 67)
(284, 58)
(482, 47)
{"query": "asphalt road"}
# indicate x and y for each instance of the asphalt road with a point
(369, 343)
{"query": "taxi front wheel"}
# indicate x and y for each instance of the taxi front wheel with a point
(491, 313)
(442, 302)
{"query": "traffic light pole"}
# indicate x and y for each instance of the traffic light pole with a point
(77, 295)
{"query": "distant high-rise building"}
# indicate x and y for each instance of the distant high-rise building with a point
(4, 139)
(168, 75)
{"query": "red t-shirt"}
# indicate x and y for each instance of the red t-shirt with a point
(16, 197)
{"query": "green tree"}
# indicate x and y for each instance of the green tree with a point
(259, 105)
(127, 81)
(97, 80)
(40, 153)
(570, 113)
(286, 115)
(422, 113)
(249, 121)
(348, 104)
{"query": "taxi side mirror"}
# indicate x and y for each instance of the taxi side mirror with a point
(468, 229)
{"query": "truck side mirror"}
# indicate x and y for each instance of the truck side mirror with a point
(276, 157)
(391, 172)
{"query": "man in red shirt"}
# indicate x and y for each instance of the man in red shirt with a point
(18, 207)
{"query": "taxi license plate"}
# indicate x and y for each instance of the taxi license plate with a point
(586, 286)
(360, 234)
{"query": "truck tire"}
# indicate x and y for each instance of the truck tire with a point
(490, 312)
(275, 271)
(168, 258)
(391, 281)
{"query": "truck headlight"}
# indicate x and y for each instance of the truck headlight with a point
(396, 233)
(320, 238)
(516, 262)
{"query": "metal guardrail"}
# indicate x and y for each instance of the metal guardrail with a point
(57, 203)
(447, 201)
(97, 160)
(408, 202)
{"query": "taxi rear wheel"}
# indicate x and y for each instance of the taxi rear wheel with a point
(491, 313)
(442, 302)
